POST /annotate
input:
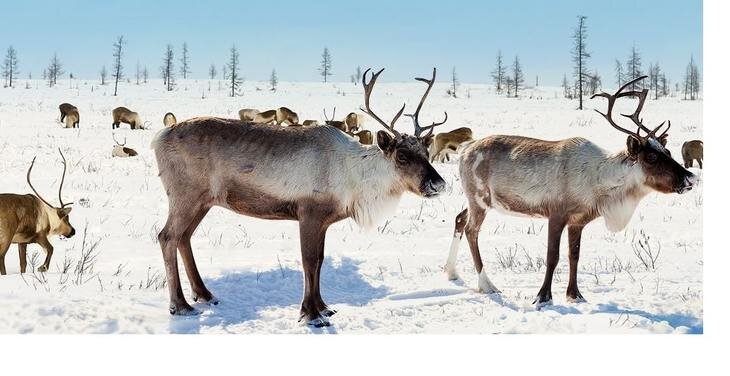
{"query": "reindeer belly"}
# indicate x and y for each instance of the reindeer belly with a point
(516, 205)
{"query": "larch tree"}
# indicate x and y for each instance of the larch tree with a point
(168, 68)
(103, 74)
(499, 73)
(118, 69)
(580, 57)
(10, 66)
(234, 78)
(518, 78)
(325, 66)
(273, 80)
(55, 69)
(619, 71)
(185, 61)
(633, 68)
(454, 83)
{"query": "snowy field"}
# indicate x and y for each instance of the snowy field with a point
(389, 280)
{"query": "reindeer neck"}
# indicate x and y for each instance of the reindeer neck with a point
(620, 189)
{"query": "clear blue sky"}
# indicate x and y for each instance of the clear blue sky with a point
(406, 37)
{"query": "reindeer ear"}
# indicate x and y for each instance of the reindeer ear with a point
(633, 146)
(663, 139)
(427, 141)
(385, 141)
(65, 211)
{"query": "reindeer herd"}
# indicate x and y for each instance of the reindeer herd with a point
(256, 167)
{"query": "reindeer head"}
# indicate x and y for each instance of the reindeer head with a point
(662, 173)
(408, 154)
(57, 216)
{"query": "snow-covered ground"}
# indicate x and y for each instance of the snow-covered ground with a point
(389, 280)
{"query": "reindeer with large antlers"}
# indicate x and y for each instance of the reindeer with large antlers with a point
(273, 172)
(26, 219)
(570, 182)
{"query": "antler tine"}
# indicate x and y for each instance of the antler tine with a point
(368, 86)
(27, 178)
(418, 129)
(635, 116)
(653, 132)
(63, 177)
(669, 125)
(114, 137)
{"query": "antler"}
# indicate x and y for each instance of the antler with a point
(27, 178)
(418, 129)
(63, 177)
(115, 140)
(334, 110)
(368, 90)
(641, 95)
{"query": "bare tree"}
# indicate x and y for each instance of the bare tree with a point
(499, 73)
(145, 74)
(358, 74)
(10, 66)
(664, 83)
(273, 80)
(654, 79)
(619, 70)
(212, 72)
(118, 69)
(103, 73)
(509, 84)
(692, 80)
(168, 68)
(594, 82)
(54, 70)
(234, 78)
(138, 72)
(633, 68)
(454, 83)
(185, 61)
(580, 57)
(518, 78)
(566, 87)
(325, 66)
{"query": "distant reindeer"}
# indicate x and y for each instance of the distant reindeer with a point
(120, 150)
(27, 219)
(334, 123)
(570, 182)
(125, 115)
(169, 120)
(70, 113)
(309, 123)
(248, 114)
(272, 172)
(286, 116)
(265, 117)
(443, 144)
(353, 122)
(692, 150)
(364, 137)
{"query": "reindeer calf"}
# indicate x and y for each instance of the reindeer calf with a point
(127, 116)
(70, 113)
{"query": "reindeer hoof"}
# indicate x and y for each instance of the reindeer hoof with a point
(319, 322)
(452, 275)
(183, 310)
(211, 300)
(578, 298)
(327, 312)
(541, 302)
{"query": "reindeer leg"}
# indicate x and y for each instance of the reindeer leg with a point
(312, 234)
(555, 229)
(179, 218)
(22, 251)
(459, 226)
(43, 242)
(200, 292)
(322, 307)
(699, 162)
(3, 250)
(574, 235)
(473, 226)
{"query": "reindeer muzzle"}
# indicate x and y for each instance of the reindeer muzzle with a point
(688, 183)
(433, 187)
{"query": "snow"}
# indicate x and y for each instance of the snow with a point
(388, 280)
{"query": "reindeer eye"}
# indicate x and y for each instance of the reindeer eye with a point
(401, 158)
(651, 158)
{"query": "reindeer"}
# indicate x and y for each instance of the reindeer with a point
(120, 150)
(443, 144)
(334, 123)
(265, 117)
(309, 123)
(70, 113)
(125, 115)
(248, 114)
(364, 137)
(169, 119)
(570, 182)
(353, 122)
(692, 150)
(286, 116)
(271, 172)
(26, 219)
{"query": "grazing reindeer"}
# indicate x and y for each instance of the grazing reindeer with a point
(125, 115)
(570, 182)
(265, 117)
(70, 113)
(26, 219)
(692, 150)
(248, 114)
(169, 120)
(443, 144)
(334, 123)
(286, 116)
(119, 150)
(309, 123)
(272, 172)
